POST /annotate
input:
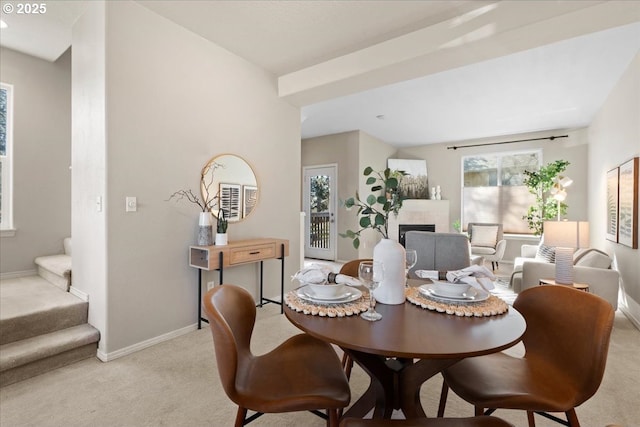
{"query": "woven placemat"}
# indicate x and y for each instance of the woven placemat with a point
(490, 307)
(329, 309)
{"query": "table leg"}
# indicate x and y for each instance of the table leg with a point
(410, 381)
(395, 384)
(379, 395)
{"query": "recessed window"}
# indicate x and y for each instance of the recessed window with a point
(493, 189)
(6, 154)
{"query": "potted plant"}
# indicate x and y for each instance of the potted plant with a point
(375, 209)
(221, 229)
(545, 207)
(374, 212)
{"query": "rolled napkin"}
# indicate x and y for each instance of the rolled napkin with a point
(344, 279)
(317, 274)
(477, 276)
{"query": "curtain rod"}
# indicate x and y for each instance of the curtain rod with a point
(550, 138)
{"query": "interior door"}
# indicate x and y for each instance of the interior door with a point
(320, 199)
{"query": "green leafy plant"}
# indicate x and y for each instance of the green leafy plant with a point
(223, 223)
(374, 211)
(457, 225)
(545, 207)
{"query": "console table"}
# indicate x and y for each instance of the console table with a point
(236, 253)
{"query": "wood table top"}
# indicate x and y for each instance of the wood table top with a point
(407, 330)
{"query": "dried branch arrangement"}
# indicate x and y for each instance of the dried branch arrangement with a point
(209, 201)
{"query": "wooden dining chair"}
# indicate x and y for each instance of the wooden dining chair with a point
(482, 421)
(566, 343)
(303, 373)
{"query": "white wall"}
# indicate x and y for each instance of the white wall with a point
(42, 156)
(88, 157)
(614, 137)
(173, 101)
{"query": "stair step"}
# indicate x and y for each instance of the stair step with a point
(33, 356)
(31, 306)
(56, 269)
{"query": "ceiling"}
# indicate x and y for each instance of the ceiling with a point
(406, 72)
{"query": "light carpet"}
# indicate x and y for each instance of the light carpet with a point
(176, 383)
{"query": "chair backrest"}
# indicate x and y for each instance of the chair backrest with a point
(439, 251)
(485, 226)
(350, 268)
(232, 313)
(570, 329)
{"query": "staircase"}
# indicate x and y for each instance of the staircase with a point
(42, 327)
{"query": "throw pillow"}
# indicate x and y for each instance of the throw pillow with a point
(546, 253)
(484, 235)
(593, 258)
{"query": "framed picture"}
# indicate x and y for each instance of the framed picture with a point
(612, 205)
(249, 199)
(628, 203)
(415, 184)
(230, 201)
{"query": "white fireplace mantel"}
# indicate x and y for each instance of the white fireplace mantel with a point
(419, 211)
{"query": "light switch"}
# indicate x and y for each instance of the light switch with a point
(131, 204)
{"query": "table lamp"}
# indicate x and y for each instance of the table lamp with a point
(566, 236)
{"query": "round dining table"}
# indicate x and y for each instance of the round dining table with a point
(408, 346)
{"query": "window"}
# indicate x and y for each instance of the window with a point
(493, 189)
(6, 140)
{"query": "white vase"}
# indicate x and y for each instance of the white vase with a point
(205, 230)
(391, 254)
(221, 239)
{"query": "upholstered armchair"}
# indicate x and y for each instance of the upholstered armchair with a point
(590, 266)
(438, 251)
(487, 240)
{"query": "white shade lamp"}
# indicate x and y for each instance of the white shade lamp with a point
(566, 236)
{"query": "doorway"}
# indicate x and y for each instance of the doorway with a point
(320, 205)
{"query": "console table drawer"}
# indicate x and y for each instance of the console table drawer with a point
(252, 254)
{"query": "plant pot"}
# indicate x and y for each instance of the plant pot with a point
(221, 239)
(391, 254)
(205, 230)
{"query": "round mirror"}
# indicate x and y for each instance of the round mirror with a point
(231, 184)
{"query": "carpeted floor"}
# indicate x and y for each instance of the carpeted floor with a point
(176, 384)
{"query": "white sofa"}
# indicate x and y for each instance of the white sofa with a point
(591, 266)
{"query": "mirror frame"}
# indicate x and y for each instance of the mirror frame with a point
(242, 188)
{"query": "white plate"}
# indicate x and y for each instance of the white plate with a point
(349, 294)
(472, 295)
(448, 289)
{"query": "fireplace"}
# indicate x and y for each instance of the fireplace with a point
(403, 228)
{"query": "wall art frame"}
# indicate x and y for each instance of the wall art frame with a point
(415, 184)
(230, 198)
(249, 199)
(628, 203)
(612, 205)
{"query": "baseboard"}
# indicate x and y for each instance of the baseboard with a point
(107, 357)
(80, 294)
(18, 274)
(631, 312)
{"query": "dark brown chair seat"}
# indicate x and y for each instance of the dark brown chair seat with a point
(566, 343)
(350, 268)
(482, 421)
(302, 373)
